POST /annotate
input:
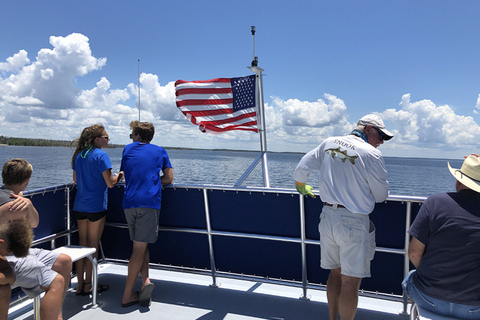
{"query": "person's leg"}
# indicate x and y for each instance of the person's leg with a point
(5, 296)
(334, 288)
(144, 271)
(52, 302)
(347, 303)
(431, 304)
(464, 311)
(135, 265)
(80, 264)
(63, 266)
(356, 238)
(94, 234)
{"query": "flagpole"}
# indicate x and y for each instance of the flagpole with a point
(138, 89)
(261, 114)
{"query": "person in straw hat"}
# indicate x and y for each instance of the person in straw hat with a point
(445, 248)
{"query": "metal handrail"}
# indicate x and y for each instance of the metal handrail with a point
(303, 241)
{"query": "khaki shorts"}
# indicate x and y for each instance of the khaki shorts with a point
(34, 270)
(347, 241)
(143, 224)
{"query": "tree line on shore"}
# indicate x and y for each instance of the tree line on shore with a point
(11, 141)
(28, 142)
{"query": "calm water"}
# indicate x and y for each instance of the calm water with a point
(407, 176)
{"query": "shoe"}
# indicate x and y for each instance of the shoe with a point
(145, 296)
(100, 288)
(81, 293)
(129, 304)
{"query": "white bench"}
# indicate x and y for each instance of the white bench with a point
(424, 314)
(76, 253)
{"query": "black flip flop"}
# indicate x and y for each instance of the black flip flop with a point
(145, 296)
(129, 304)
(100, 288)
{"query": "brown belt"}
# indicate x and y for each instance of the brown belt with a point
(333, 205)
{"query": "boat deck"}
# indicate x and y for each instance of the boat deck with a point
(186, 296)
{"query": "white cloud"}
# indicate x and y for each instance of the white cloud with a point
(477, 106)
(157, 99)
(424, 124)
(101, 96)
(15, 63)
(39, 99)
(296, 126)
(50, 78)
(313, 114)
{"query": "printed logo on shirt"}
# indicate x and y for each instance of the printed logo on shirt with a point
(342, 155)
(344, 144)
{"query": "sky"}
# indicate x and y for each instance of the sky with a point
(66, 65)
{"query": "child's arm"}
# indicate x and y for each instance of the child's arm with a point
(6, 272)
(19, 208)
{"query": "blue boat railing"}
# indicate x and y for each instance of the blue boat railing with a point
(262, 234)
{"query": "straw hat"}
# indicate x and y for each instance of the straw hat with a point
(469, 174)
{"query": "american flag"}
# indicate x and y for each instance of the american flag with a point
(219, 105)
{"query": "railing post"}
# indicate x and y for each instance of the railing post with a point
(304, 247)
(210, 239)
(69, 235)
(406, 260)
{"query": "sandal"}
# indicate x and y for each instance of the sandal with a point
(81, 293)
(100, 288)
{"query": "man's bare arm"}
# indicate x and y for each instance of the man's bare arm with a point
(415, 251)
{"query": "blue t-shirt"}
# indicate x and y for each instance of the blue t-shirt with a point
(448, 224)
(142, 163)
(92, 188)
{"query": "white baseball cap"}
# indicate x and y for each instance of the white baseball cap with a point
(377, 123)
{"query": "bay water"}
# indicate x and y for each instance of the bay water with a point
(407, 176)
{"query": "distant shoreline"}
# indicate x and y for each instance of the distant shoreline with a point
(27, 142)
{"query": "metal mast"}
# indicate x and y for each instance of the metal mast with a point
(138, 89)
(261, 120)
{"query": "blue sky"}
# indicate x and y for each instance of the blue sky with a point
(65, 65)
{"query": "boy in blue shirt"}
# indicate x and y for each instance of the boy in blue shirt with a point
(142, 164)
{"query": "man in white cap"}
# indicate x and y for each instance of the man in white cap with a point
(445, 248)
(352, 179)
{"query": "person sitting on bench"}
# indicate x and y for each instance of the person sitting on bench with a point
(16, 238)
(444, 248)
(41, 270)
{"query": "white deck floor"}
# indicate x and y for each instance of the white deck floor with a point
(184, 296)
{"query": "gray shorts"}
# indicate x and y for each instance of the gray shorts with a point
(347, 241)
(34, 270)
(143, 224)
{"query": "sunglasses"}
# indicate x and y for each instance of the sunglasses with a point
(105, 137)
(382, 135)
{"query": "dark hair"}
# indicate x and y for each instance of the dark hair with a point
(16, 171)
(18, 236)
(87, 138)
(146, 130)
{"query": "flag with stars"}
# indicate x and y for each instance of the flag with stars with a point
(219, 105)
